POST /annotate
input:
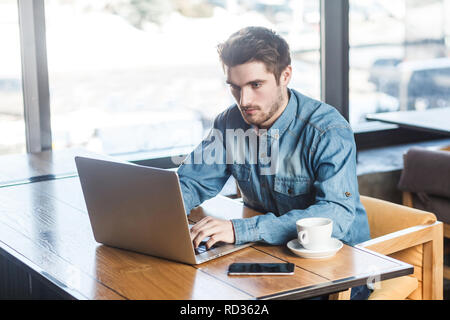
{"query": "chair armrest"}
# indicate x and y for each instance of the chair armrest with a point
(431, 236)
(402, 239)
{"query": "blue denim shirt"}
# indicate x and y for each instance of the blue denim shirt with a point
(314, 175)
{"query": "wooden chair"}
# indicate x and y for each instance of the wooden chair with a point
(410, 235)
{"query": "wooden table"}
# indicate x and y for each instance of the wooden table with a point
(350, 267)
(32, 167)
(47, 249)
(431, 120)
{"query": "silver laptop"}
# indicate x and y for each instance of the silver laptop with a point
(141, 209)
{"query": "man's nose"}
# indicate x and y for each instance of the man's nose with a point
(246, 97)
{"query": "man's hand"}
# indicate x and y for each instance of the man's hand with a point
(216, 229)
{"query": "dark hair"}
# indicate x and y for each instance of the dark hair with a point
(256, 44)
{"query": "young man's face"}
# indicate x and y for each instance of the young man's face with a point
(259, 98)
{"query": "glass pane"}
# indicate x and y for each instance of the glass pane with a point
(12, 126)
(399, 56)
(144, 76)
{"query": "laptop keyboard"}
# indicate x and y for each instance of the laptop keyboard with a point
(202, 247)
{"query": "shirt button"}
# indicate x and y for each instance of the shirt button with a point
(348, 194)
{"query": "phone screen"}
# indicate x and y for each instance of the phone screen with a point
(261, 269)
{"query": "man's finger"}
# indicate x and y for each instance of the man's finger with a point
(213, 240)
(207, 231)
(199, 226)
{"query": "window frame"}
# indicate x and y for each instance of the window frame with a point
(35, 84)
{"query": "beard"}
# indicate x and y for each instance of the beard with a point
(262, 117)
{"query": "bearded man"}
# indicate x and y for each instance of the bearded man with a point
(311, 170)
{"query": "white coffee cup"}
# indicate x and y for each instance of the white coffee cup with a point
(314, 233)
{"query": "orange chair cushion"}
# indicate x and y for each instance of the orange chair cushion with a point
(395, 289)
(387, 217)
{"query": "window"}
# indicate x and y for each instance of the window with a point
(12, 128)
(144, 76)
(399, 56)
(137, 76)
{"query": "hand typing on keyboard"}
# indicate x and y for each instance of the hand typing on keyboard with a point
(216, 229)
(202, 247)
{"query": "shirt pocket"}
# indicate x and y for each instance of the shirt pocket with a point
(292, 193)
(292, 186)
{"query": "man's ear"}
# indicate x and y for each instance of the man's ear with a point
(286, 76)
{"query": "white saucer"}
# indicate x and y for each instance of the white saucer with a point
(298, 249)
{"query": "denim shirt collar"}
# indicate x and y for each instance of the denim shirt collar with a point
(285, 119)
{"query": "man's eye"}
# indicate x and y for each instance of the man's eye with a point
(256, 84)
(233, 87)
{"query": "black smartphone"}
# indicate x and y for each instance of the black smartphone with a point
(239, 269)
